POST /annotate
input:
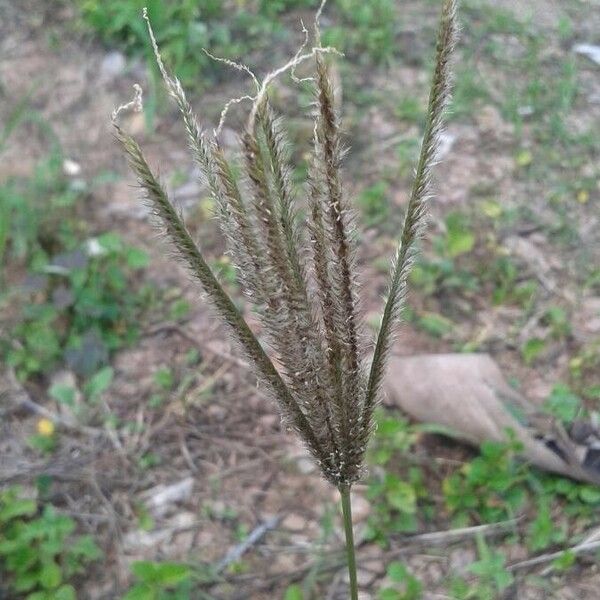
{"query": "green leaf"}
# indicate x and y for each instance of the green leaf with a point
(491, 566)
(16, 508)
(531, 349)
(141, 592)
(111, 242)
(39, 596)
(563, 403)
(136, 258)
(165, 574)
(524, 158)
(163, 377)
(50, 575)
(589, 494)
(293, 592)
(28, 580)
(400, 495)
(65, 592)
(63, 394)
(409, 588)
(565, 561)
(99, 383)
(459, 237)
(85, 547)
(541, 529)
(436, 325)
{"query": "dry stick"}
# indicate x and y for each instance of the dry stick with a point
(544, 558)
(254, 537)
(337, 560)
(452, 535)
(589, 544)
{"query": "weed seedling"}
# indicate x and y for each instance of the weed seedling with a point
(39, 553)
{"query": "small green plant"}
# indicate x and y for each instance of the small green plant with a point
(397, 498)
(443, 273)
(374, 204)
(405, 585)
(84, 310)
(503, 274)
(490, 569)
(293, 592)
(39, 552)
(161, 581)
(544, 531)
(186, 28)
(563, 404)
(410, 110)
(45, 439)
(489, 488)
(369, 28)
(36, 214)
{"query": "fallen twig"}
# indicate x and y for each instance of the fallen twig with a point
(451, 535)
(238, 551)
(582, 548)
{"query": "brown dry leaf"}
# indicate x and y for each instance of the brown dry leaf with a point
(467, 394)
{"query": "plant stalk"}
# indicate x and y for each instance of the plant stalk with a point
(350, 552)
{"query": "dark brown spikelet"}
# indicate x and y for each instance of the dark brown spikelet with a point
(339, 275)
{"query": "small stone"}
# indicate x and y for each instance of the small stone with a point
(113, 64)
(376, 564)
(217, 412)
(71, 168)
(590, 51)
(162, 498)
(460, 559)
(294, 522)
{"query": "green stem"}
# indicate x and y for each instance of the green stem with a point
(347, 513)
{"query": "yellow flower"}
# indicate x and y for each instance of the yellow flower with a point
(45, 427)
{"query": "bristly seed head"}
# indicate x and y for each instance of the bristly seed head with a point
(302, 280)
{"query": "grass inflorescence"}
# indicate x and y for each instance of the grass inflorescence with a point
(301, 279)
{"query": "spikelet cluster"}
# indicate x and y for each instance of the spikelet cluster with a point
(300, 274)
